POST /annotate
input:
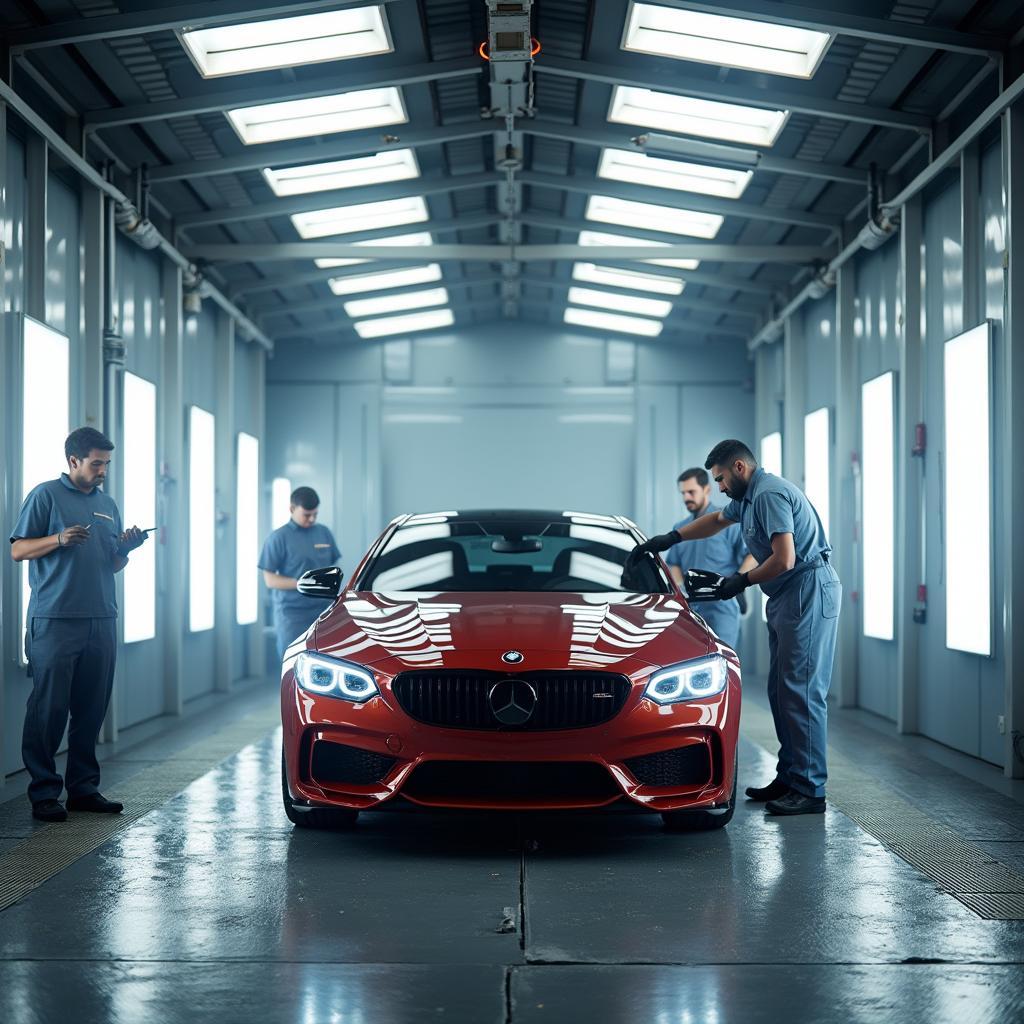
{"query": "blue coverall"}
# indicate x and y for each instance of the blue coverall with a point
(723, 553)
(803, 620)
(292, 550)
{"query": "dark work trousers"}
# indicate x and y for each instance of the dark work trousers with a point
(803, 621)
(72, 666)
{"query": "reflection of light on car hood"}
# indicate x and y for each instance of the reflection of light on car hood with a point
(435, 630)
(602, 636)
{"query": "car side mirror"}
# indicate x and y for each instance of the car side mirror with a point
(321, 582)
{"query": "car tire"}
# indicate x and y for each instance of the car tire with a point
(704, 821)
(320, 817)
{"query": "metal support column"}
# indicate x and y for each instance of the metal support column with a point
(224, 443)
(172, 513)
(910, 484)
(34, 246)
(257, 652)
(970, 235)
(9, 491)
(846, 514)
(794, 357)
(92, 255)
(1012, 398)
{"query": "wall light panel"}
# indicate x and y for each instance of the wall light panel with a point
(201, 520)
(247, 526)
(140, 482)
(878, 505)
(817, 456)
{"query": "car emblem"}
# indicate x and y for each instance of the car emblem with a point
(512, 701)
(512, 657)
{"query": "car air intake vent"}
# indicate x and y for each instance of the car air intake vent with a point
(511, 782)
(338, 764)
(683, 766)
(526, 701)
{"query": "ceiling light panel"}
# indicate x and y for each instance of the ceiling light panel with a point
(288, 42)
(653, 217)
(724, 41)
(344, 220)
(687, 115)
(661, 284)
(358, 283)
(619, 303)
(394, 165)
(397, 303)
(407, 324)
(420, 238)
(641, 169)
(612, 322)
(319, 115)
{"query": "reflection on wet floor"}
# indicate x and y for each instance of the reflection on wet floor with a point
(213, 907)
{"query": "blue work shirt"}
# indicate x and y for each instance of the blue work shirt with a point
(75, 581)
(723, 553)
(292, 550)
(773, 505)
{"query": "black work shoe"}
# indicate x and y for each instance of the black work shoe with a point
(796, 803)
(772, 791)
(49, 810)
(96, 803)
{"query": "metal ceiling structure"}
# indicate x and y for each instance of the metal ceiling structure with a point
(509, 144)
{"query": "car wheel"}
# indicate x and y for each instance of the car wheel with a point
(319, 817)
(704, 821)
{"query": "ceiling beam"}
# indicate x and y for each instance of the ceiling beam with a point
(331, 147)
(801, 99)
(590, 185)
(214, 98)
(881, 30)
(260, 252)
(431, 185)
(168, 17)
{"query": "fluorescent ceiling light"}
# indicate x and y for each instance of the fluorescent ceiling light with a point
(344, 220)
(659, 283)
(391, 165)
(724, 41)
(686, 115)
(404, 324)
(606, 238)
(641, 169)
(385, 279)
(287, 42)
(620, 303)
(417, 238)
(613, 322)
(397, 303)
(653, 217)
(318, 115)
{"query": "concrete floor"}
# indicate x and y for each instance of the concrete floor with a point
(211, 908)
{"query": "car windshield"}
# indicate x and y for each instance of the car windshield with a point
(580, 554)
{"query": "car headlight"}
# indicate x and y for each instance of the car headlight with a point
(702, 677)
(331, 678)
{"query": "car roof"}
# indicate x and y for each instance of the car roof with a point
(513, 515)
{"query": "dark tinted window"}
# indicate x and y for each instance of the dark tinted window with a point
(581, 554)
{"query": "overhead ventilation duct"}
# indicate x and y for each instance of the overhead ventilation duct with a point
(140, 230)
(510, 49)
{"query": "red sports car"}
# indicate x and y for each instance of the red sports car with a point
(508, 660)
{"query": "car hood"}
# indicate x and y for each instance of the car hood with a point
(614, 631)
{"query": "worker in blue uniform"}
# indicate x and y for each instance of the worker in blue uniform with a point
(69, 531)
(298, 546)
(785, 536)
(724, 553)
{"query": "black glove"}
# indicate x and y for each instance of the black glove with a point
(733, 586)
(656, 544)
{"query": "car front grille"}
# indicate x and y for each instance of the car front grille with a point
(338, 764)
(683, 766)
(461, 699)
(511, 782)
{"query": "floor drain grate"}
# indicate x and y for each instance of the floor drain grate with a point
(959, 868)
